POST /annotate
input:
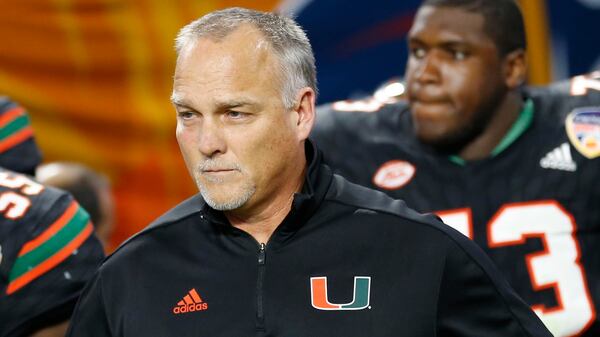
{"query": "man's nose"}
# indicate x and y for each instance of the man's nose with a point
(427, 70)
(211, 138)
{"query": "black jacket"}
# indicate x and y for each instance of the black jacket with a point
(346, 261)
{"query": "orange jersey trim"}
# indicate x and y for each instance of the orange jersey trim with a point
(50, 231)
(51, 262)
(11, 115)
(16, 138)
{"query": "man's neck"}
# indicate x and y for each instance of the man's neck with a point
(503, 119)
(261, 226)
(261, 221)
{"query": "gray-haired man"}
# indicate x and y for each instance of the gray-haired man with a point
(275, 244)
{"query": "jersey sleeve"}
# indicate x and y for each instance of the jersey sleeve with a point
(328, 133)
(52, 266)
(476, 300)
(336, 132)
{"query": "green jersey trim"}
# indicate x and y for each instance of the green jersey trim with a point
(51, 247)
(518, 128)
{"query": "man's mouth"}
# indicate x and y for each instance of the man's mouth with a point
(218, 171)
(430, 110)
(215, 170)
(217, 175)
(429, 99)
(427, 95)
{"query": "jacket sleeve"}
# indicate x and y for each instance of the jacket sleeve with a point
(90, 318)
(476, 300)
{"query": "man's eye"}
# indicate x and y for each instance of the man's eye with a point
(186, 115)
(418, 52)
(459, 55)
(235, 114)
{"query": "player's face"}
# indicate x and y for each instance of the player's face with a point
(454, 77)
(239, 142)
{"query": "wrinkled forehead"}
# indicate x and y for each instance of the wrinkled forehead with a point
(245, 42)
(240, 62)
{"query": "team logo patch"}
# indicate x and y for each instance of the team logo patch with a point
(394, 174)
(360, 300)
(583, 129)
(191, 302)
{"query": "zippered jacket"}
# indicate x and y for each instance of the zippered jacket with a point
(346, 261)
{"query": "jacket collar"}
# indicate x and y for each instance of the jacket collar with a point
(305, 203)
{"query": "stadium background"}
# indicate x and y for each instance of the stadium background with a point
(95, 75)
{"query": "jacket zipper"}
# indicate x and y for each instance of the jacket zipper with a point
(260, 319)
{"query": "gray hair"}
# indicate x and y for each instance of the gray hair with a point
(286, 37)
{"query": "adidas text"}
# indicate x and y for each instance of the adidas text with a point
(182, 309)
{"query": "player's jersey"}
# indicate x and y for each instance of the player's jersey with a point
(534, 207)
(47, 253)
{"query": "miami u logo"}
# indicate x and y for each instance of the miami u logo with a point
(319, 300)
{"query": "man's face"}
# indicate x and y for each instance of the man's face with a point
(454, 77)
(239, 142)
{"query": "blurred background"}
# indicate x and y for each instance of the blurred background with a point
(95, 75)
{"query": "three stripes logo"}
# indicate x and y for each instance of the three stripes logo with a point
(559, 159)
(190, 303)
(360, 300)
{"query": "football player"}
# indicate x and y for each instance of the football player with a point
(514, 168)
(47, 250)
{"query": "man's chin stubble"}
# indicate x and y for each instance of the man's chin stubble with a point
(232, 203)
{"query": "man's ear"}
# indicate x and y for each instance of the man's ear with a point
(515, 68)
(305, 112)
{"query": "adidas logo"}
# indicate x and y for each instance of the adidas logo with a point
(559, 159)
(190, 303)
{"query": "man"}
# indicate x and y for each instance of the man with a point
(276, 245)
(91, 189)
(47, 250)
(515, 170)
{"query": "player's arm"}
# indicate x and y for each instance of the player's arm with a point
(327, 131)
(52, 267)
(476, 300)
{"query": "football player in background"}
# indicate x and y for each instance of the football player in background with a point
(47, 249)
(91, 189)
(516, 169)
